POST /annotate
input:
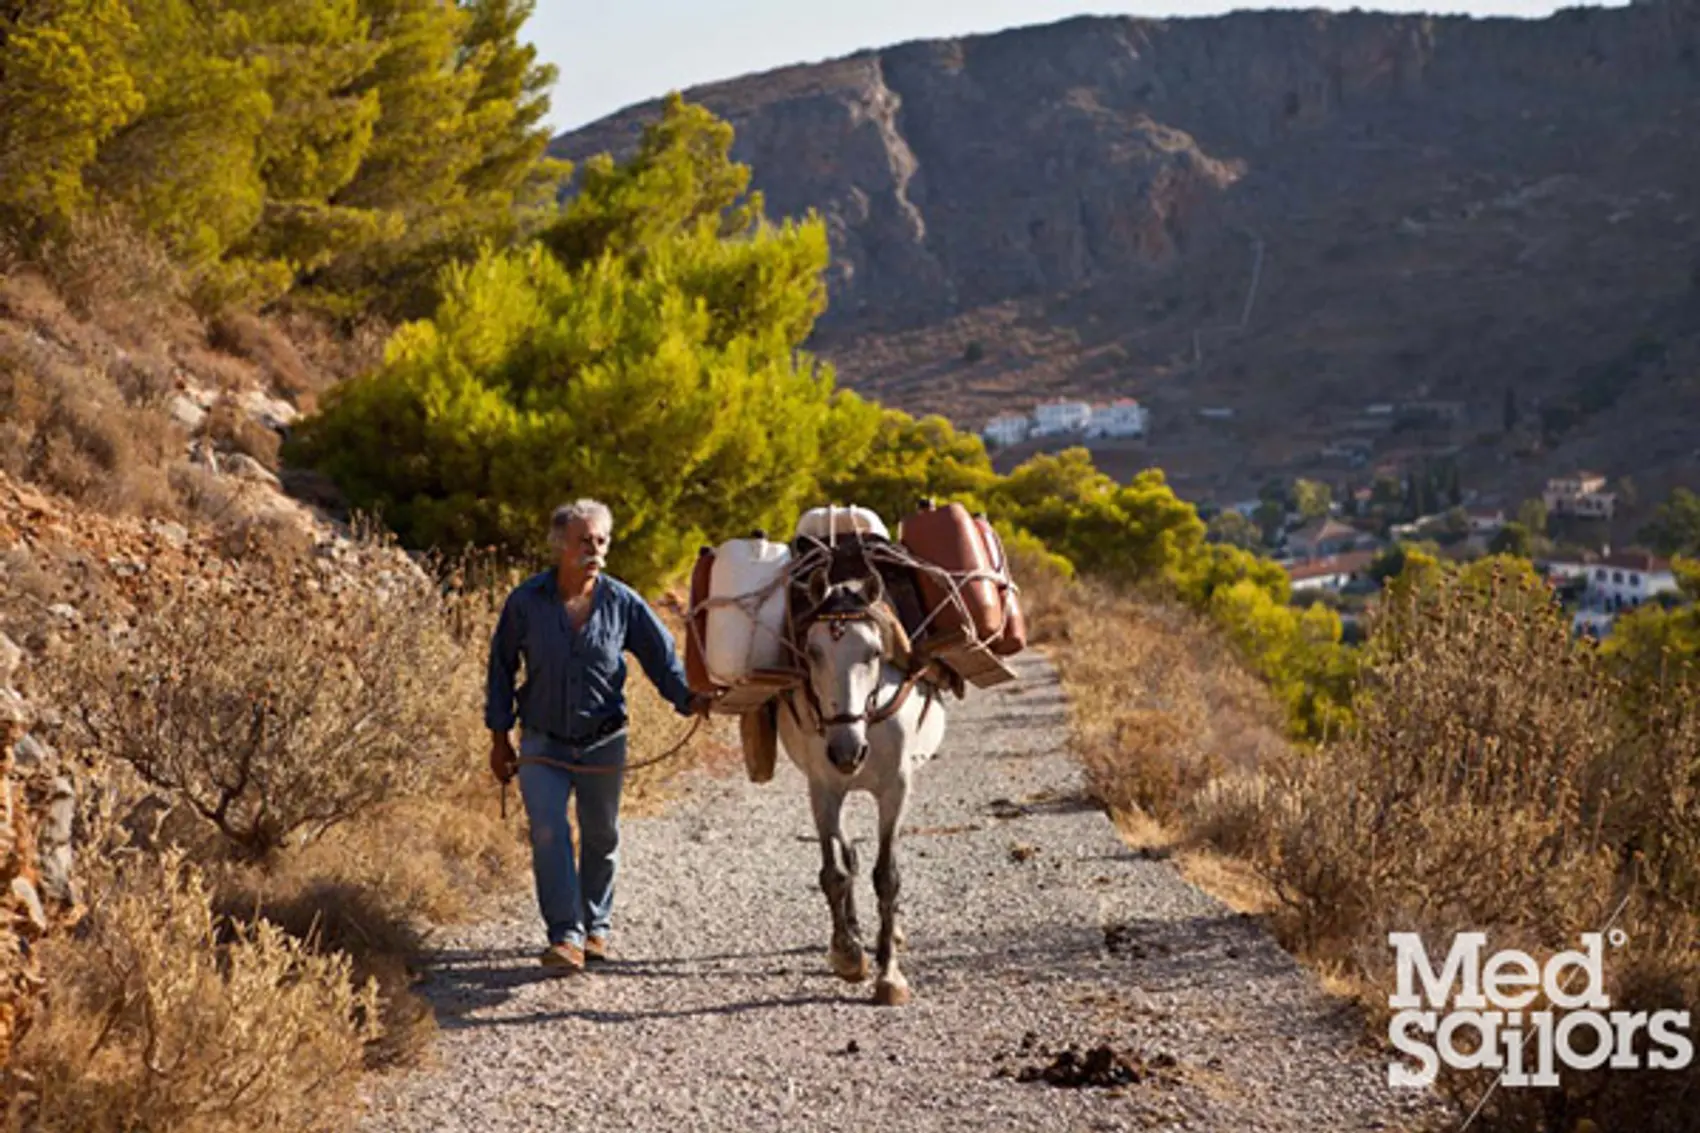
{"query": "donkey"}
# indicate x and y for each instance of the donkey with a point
(863, 719)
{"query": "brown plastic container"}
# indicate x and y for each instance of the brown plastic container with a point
(696, 635)
(1013, 639)
(949, 538)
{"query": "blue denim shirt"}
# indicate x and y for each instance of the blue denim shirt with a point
(575, 679)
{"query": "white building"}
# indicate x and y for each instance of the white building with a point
(1334, 573)
(1007, 429)
(1486, 521)
(1581, 494)
(1614, 584)
(1629, 578)
(1124, 417)
(1061, 416)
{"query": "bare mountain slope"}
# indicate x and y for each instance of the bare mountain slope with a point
(1435, 207)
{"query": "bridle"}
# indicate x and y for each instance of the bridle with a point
(837, 622)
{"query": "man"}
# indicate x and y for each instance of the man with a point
(572, 624)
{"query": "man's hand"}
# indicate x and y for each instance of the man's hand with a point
(701, 703)
(503, 762)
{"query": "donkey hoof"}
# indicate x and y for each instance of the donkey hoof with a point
(891, 993)
(851, 967)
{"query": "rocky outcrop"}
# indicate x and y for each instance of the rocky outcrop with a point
(955, 173)
(29, 832)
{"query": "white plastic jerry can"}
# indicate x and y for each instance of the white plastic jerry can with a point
(835, 520)
(746, 616)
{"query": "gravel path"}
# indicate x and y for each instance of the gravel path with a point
(1031, 927)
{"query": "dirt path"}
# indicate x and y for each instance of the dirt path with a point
(1031, 927)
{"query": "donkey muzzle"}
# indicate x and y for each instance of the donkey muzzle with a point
(846, 749)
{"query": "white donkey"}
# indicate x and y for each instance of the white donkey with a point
(863, 720)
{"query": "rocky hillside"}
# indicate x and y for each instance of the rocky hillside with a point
(1290, 214)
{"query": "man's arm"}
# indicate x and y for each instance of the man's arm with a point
(499, 687)
(648, 640)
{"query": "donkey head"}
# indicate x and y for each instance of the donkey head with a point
(850, 636)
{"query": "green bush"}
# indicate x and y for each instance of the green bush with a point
(661, 373)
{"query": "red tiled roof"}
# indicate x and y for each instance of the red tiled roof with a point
(1636, 560)
(1350, 563)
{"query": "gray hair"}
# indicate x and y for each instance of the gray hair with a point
(594, 513)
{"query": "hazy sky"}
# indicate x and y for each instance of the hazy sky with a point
(613, 53)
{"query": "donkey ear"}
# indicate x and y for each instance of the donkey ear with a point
(873, 589)
(818, 584)
(898, 648)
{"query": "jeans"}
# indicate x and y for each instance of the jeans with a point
(574, 897)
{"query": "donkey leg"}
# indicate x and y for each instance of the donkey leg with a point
(890, 988)
(837, 882)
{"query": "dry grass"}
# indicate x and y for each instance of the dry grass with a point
(82, 430)
(1159, 707)
(267, 346)
(117, 278)
(232, 430)
(310, 737)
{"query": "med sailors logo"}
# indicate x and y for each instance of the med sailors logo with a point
(1478, 1012)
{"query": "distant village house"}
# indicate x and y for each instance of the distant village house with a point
(1620, 581)
(1581, 495)
(1123, 417)
(1323, 538)
(1061, 416)
(1333, 573)
(1007, 429)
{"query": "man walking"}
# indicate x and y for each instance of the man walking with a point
(572, 624)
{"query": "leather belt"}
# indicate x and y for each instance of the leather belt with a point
(612, 725)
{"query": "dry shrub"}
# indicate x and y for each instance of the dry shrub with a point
(168, 1017)
(232, 430)
(247, 520)
(117, 276)
(262, 531)
(366, 888)
(1499, 779)
(216, 369)
(334, 352)
(1497, 783)
(28, 297)
(333, 715)
(72, 429)
(1159, 707)
(274, 703)
(209, 498)
(1463, 795)
(267, 346)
